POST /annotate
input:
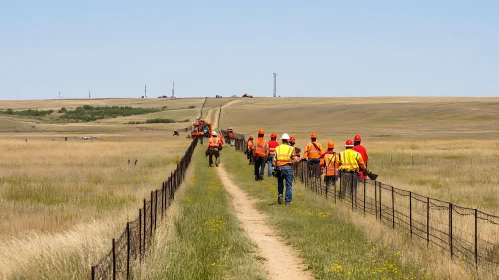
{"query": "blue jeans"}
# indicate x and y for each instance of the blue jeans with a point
(286, 174)
(269, 164)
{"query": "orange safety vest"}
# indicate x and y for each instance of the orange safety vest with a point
(214, 142)
(259, 148)
(331, 162)
(311, 152)
(349, 160)
(250, 144)
(283, 154)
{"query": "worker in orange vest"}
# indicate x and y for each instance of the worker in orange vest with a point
(351, 163)
(360, 149)
(260, 151)
(213, 149)
(249, 150)
(330, 165)
(312, 154)
(296, 151)
(272, 145)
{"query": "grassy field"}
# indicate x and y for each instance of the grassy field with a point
(333, 247)
(204, 241)
(446, 148)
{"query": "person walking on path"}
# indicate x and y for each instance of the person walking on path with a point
(272, 145)
(312, 154)
(283, 161)
(213, 149)
(360, 149)
(350, 164)
(260, 151)
(331, 166)
(249, 150)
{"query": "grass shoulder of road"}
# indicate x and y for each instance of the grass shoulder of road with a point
(332, 247)
(207, 241)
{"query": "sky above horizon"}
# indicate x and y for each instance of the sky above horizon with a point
(317, 48)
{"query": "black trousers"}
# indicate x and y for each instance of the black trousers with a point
(259, 166)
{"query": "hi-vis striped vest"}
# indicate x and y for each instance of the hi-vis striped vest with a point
(259, 147)
(348, 160)
(213, 142)
(283, 154)
(331, 164)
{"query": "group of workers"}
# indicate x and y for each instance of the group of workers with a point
(350, 164)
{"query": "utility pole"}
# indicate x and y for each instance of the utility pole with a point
(59, 95)
(275, 84)
(173, 90)
(145, 91)
(88, 94)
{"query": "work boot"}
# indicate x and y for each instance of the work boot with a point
(279, 199)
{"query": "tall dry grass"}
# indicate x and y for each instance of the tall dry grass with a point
(62, 201)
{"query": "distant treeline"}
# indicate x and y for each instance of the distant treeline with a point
(158, 120)
(29, 112)
(89, 113)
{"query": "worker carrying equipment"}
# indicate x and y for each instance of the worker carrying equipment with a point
(350, 164)
(360, 149)
(272, 145)
(249, 150)
(331, 166)
(260, 152)
(213, 149)
(283, 162)
(312, 154)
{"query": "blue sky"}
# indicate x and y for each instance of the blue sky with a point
(318, 48)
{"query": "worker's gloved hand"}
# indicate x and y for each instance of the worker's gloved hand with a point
(206, 154)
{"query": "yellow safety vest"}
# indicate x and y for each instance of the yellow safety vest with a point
(349, 160)
(283, 154)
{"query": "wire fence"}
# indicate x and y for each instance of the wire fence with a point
(467, 234)
(135, 240)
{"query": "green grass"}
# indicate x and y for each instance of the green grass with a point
(332, 247)
(207, 242)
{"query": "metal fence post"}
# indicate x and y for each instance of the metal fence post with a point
(155, 208)
(162, 199)
(364, 197)
(393, 209)
(145, 227)
(376, 199)
(127, 250)
(476, 238)
(410, 212)
(140, 234)
(450, 230)
(351, 189)
(114, 261)
(93, 272)
(427, 222)
(150, 224)
(380, 211)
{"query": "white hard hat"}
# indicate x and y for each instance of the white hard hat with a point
(285, 136)
(214, 133)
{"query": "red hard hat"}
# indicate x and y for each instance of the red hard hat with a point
(292, 139)
(273, 136)
(357, 138)
(251, 137)
(349, 143)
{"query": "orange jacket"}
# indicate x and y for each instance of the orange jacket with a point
(311, 152)
(214, 142)
(250, 145)
(260, 147)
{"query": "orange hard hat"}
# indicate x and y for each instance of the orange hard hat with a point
(273, 136)
(330, 144)
(349, 143)
(292, 139)
(313, 135)
(260, 131)
(250, 138)
(357, 138)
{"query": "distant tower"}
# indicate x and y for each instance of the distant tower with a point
(145, 91)
(59, 95)
(173, 90)
(275, 83)
(88, 94)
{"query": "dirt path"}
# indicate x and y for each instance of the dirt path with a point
(281, 261)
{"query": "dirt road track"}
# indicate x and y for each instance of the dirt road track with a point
(281, 261)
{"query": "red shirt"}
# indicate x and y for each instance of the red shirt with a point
(360, 149)
(272, 145)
